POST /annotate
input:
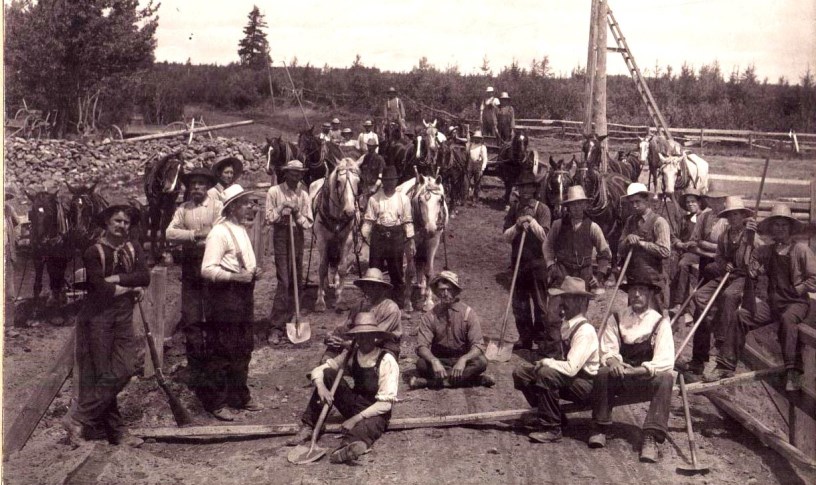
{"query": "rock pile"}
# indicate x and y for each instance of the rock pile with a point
(47, 164)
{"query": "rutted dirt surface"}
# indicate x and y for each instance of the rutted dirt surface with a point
(479, 454)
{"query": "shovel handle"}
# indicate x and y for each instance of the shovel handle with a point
(614, 294)
(326, 407)
(687, 413)
(294, 269)
(702, 315)
(512, 286)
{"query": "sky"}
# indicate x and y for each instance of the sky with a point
(777, 36)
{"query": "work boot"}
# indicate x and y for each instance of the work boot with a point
(74, 430)
(348, 453)
(417, 382)
(303, 435)
(223, 414)
(691, 367)
(597, 439)
(648, 451)
(252, 405)
(486, 380)
(127, 439)
(551, 435)
(718, 373)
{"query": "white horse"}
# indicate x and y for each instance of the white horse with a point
(682, 172)
(430, 214)
(336, 219)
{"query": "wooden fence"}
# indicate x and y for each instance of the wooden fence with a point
(688, 136)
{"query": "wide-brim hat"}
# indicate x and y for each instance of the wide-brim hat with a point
(392, 89)
(335, 121)
(237, 167)
(345, 130)
(120, 205)
(372, 142)
(650, 283)
(489, 89)
(233, 194)
(187, 177)
(327, 125)
(734, 203)
(575, 194)
(636, 188)
(368, 123)
(571, 286)
(294, 166)
(689, 192)
(365, 323)
(448, 276)
(390, 173)
(713, 194)
(780, 211)
(504, 95)
(477, 134)
(372, 276)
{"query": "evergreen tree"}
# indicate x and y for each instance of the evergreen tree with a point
(253, 49)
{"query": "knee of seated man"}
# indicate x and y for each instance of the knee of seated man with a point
(546, 375)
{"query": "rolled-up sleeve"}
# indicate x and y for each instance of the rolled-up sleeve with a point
(610, 342)
(176, 230)
(662, 245)
(663, 358)
(214, 250)
(407, 216)
(474, 332)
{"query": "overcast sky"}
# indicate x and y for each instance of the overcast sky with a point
(777, 36)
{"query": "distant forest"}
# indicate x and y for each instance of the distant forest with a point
(703, 98)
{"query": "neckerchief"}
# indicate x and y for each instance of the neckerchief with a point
(123, 255)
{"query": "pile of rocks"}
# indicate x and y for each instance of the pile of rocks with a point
(47, 164)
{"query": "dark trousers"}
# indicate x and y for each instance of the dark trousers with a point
(227, 347)
(349, 404)
(532, 319)
(544, 388)
(684, 279)
(283, 307)
(721, 313)
(789, 317)
(106, 348)
(656, 389)
(387, 254)
(474, 368)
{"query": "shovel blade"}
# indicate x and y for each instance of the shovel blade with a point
(499, 351)
(692, 470)
(298, 332)
(302, 454)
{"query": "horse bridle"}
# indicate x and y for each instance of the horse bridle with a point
(425, 194)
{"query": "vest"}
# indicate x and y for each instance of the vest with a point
(781, 292)
(367, 379)
(532, 250)
(644, 264)
(636, 354)
(573, 248)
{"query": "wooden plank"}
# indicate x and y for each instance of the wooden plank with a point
(768, 180)
(803, 421)
(23, 424)
(185, 132)
(154, 304)
(805, 400)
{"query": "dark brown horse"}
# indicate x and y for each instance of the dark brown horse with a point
(278, 152)
(553, 188)
(591, 148)
(162, 184)
(606, 207)
(319, 158)
(84, 204)
(452, 171)
(514, 158)
(49, 245)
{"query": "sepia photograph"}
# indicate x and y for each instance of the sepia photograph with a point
(425, 242)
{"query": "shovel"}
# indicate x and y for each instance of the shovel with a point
(695, 468)
(297, 331)
(301, 454)
(499, 350)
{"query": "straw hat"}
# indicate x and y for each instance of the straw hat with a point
(641, 281)
(294, 165)
(374, 277)
(637, 188)
(780, 211)
(102, 216)
(571, 286)
(372, 142)
(345, 130)
(477, 134)
(392, 90)
(233, 194)
(490, 89)
(575, 194)
(199, 172)
(734, 203)
(448, 276)
(390, 173)
(504, 95)
(368, 123)
(365, 323)
(335, 121)
(237, 167)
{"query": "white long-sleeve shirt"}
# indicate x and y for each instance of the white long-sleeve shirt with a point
(388, 378)
(362, 141)
(583, 351)
(637, 328)
(478, 153)
(190, 217)
(388, 212)
(279, 194)
(221, 255)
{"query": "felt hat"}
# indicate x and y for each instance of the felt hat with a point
(689, 192)
(335, 121)
(575, 194)
(372, 276)
(102, 216)
(504, 95)
(237, 167)
(200, 172)
(345, 130)
(327, 125)
(780, 211)
(734, 203)
(642, 280)
(529, 178)
(368, 123)
(233, 194)
(392, 89)
(637, 188)
(448, 276)
(365, 323)
(571, 286)
(390, 173)
(713, 194)
(490, 89)
(372, 142)
(294, 165)
(477, 134)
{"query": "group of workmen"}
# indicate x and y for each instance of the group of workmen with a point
(632, 354)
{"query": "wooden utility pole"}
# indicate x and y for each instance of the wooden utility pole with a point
(590, 67)
(599, 91)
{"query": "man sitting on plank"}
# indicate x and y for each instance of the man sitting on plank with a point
(569, 377)
(367, 405)
(637, 355)
(791, 270)
(450, 345)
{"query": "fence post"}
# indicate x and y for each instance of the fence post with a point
(154, 306)
(702, 139)
(813, 208)
(751, 141)
(257, 236)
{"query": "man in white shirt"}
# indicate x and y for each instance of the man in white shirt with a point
(365, 136)
(230, 269)
(286, 202)
(335, 133)
(569, 377)
(637, 357)
(388, 226)
(348, 141)
(477, 162)
(324, 135)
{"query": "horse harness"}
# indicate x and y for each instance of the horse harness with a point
(425, 194)
(324, 204)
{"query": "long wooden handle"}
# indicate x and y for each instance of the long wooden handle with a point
(294, 267)
(512, 286)
(687, 414)
(702, 315)
(614, 294)
(326, 407)
(683, 307)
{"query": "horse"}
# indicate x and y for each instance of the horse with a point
(318, 157)
(334, 203)
(514, 158)
(49, 244)
(605, 191)
(591, 147)
(631, 159)
(453, 170)
(278, 152)
(424, 149)
(430, 215)
(161, 186)
(84, 204)
(678, 173)
(433, 141)
(651, 148)
(553, 188)
(400, 153)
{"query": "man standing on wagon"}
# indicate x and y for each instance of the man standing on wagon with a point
(505, 119)
(395, 110)
(487, 112)
(287, 203)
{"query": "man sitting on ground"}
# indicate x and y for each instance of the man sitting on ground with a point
(569, 377)
(450, 344)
